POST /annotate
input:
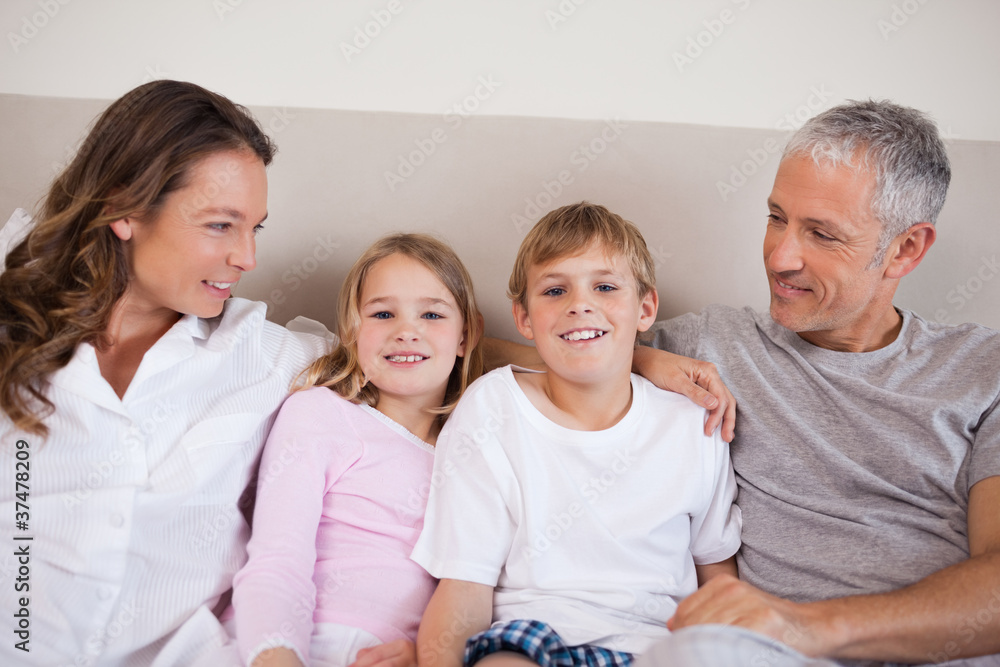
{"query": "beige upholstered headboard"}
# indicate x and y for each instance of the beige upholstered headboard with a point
(343, 178)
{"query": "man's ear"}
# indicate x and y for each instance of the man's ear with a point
(122, 228)
(909, 248)
(647, 310)
(522, 321)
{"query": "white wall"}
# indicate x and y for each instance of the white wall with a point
(583, 59)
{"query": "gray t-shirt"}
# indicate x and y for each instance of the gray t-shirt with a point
(854, 469)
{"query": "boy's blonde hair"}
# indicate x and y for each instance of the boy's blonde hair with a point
(572, 229)
(341, 369)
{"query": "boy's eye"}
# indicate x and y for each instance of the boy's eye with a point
(382, 315)
(554, 291)
(606, 288)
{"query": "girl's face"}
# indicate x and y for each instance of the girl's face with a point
(187, 259)
(411, 331)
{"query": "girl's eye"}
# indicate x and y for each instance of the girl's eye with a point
(382, 315)
(554, 291)
(432, 316)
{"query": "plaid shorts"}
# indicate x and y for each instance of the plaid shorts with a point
(539, 642)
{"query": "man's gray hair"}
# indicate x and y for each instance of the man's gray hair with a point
(900, 145)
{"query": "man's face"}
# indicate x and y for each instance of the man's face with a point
(821, 237)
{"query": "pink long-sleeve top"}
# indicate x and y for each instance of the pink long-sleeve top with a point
(340, 504)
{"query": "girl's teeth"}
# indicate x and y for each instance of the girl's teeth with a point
(400, 358)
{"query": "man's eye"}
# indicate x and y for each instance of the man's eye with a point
(772, 218)
(823, 237)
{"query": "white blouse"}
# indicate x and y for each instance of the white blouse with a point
(132, 505)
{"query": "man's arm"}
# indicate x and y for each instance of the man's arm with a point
(711, 570)
(698, 380)
(457, 610)
(953, 613)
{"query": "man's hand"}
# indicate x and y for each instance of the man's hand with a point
(397, 653)
(698, 380)
(726, 600)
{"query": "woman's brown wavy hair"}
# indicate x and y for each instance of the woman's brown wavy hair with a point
(62, 281)
(341, 369)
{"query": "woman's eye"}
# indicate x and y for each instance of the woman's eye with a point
(221, 226)
(258, 229)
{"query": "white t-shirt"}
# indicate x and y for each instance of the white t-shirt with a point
(594, 532)
(133, 502)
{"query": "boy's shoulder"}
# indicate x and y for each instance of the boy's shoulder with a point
(658, 401)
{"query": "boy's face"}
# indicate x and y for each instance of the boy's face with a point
(583, 312)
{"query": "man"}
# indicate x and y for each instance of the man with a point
(867, 445)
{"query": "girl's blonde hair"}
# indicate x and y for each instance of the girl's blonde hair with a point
(341, 369)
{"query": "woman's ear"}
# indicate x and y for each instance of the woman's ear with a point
(122, 228)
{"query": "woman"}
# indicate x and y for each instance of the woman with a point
(135, 392)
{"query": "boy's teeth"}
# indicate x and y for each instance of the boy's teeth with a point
(402, 358)
(583, 335)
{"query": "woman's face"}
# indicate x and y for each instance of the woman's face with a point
(188, 257)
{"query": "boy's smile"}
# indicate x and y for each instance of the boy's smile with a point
(583, 312)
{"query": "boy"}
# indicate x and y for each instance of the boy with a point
(574, 508)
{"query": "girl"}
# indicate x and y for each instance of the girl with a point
(347, 466)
